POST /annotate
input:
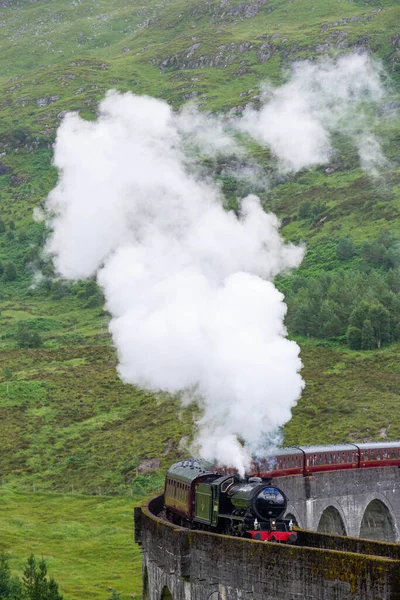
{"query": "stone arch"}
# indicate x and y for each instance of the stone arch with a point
(146, 595)
(331, 521)
(166, 594)
(377, 522)
(293, 518)
(291, 513)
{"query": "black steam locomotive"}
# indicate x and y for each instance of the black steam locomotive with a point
(200, 498)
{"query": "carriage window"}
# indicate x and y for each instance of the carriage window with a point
(348, 457)
(393, 454)
(385, 454)
(319, 459)
(378, 455)
(372, 454)
(315, 459)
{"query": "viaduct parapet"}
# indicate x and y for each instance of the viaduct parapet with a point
(358, 502)
(182, 564)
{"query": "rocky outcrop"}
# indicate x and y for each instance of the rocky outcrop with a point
(225, 11)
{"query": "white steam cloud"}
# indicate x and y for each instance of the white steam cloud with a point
(297, 119)
(189, 285)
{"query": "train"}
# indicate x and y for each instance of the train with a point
(199, 497)
(217, 499)
(306, 460)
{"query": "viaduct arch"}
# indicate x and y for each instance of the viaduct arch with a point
(358, 503)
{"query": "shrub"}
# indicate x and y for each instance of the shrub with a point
(10, 272)
(26, 338)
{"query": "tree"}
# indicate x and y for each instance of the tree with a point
(380, 320)
(330, 324)
(10, 587)
(304, 210)
(345, 248)
(10, 272)
(2, 226)
(53, 593)
(35, 583)
(373, 253)
(367, 336)
(354, 337)
(359, 314)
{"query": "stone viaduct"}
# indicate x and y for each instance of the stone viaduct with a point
(358, 502)
(181, 564)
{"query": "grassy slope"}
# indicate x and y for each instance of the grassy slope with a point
(86, 542)
(65, 418)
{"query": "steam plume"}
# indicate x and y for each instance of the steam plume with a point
(189, 285)
(297, 119)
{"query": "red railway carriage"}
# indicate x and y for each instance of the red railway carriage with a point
(305, 460)
(288, 461)
(328, 458)
(380, 454)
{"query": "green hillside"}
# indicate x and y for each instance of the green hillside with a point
(62, 425)
(67, 423)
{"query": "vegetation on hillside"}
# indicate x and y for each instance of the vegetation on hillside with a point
(34, 584)
(86, 541)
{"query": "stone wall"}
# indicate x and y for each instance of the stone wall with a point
(194, 565)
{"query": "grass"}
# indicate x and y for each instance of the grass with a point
(87, 542)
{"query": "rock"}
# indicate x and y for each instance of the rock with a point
(46, 100)
(192, 49)
(4, 169)
(265, 51)
(149, 464)
(320, 222)
(17, 180)
(385, 109)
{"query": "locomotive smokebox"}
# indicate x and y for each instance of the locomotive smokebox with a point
(265, 502)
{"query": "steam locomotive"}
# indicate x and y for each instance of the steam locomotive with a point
(199, 498)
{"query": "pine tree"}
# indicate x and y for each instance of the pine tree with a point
(34, 579)
(53, 593)
(10, 587)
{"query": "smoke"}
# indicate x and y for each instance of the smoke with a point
(298, 119)
(188, 284)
